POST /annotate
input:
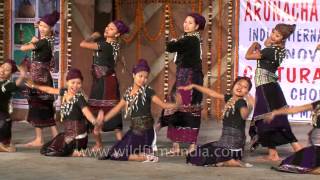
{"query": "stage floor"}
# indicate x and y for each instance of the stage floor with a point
(29, 164)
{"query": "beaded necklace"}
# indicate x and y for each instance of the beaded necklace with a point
(132, 100)
(3, 88)
(66, 106)
(315, 115)
(116, 47)
(229, 108)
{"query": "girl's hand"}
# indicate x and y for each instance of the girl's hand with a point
(100, 118)
(186, 88)
(95, 35)
(318, 47)
(256, 46)
(29, 83)
(268, 117)
(97, 129)
(22, 70)
(34, 39)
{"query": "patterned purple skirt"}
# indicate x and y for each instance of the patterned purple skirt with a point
(5, 128)
(41, 110)
(183, 125)
(132, 143)
(303, 161)
(105, 95)
(41, 113)
(270, 97)
(64, 144)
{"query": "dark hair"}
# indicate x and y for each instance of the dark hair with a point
(142, 65)
(74, 73)
(121, 26)
(199, 20)
(13, 64)
(285, 29)
(243, 78)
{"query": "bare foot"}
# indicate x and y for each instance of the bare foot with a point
(268, 159)
(173, 152)
(34, 143)
(151, 158)
(7, 148)
(78, 154)
(316, 171)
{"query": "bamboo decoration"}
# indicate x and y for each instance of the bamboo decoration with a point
(200, 6)
(62, 43)
(69, 34)
(2, 31)
(166, 56)
(229, 48)
(219, 56)
(236, 49)
(209, 54)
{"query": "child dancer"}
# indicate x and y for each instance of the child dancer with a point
(7, 87)
(269, 95)
(228, 150)
(137, 144)
(74, 112)
(105, 88)
(183, 125)
(41, 111)
(307, 160)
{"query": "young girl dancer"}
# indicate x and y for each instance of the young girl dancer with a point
(138, 143)
(269, 95)
(105, 88)
(307, 160)
(41, 111)
(74, 112)
(7, 87)
(183, 125)
(228, 150)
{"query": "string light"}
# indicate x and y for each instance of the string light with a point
(69, 34)
(209, 54)
(229, 48)
(166, 56)
(219, 56)
(2, 30)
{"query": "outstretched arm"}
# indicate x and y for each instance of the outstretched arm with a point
(292, 110)
(253, 52)
(89, 42)
(204, 90)
(162, 104)
(87, 113)
(114, 111)
(22, 75)
(29, 46)
(46, 89)
(287, 110)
